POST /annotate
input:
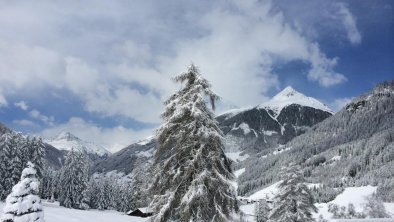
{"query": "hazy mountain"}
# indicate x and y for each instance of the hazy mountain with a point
(129, 158)
(67, 141)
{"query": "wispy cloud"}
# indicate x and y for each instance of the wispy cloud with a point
(22, 105)
(349, 22)
(49, 120)
(339, 103)
(24, 122)
(3, 101)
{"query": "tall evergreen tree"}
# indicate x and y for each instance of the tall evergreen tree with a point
(193, 174)
(262, 211)
(37, 153)
(16, 158)
(24, 204)
(8, 144)
(74, 180)
(3, 167)
(294, 202)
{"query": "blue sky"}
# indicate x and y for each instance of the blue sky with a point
(101, 69)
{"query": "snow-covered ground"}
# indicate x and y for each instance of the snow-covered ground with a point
(54, 213)
(267, 193)
(354, 195)
(236, 156)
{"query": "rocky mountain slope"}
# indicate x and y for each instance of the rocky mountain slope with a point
(137, 155)
(271, 124)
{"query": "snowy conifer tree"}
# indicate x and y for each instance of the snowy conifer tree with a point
(193, 174)
(24, 204)
(8, 143)
(74, 182)
(374, 208)
(37, 152)
(16, 158)
(294, 203)
(3, 167)
(262, 211)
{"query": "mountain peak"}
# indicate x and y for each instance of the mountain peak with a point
(289, 96)
(68, 141)
(66, 136)
(287, 92)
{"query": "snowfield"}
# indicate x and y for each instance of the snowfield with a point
(54, 213)
(355, 195)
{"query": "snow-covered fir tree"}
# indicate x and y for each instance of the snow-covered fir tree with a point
(111, 192)
(262, 211)
(16, 165)
(193, 174)
(74, 182)
(15, 152)
(48, 183)
(24, 204)
(374, 208)
(3, 167)
(294, 202)
(8, 143)
(37, 152)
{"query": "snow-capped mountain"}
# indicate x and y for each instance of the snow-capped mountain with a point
(271, 124)
(67, 141)
(289, 96)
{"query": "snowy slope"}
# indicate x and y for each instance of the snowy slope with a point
(289, 96)
(67, 141)
(354, 195)
(54, 213)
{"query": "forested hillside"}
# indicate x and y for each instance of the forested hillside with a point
(353, 147)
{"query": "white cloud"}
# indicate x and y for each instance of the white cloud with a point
(49, 120)
(113, 139)
(339, 103)
(22, 105)
(24, 122)
(123, 68)
(3, 101)
(322, 69)
(349, 22)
